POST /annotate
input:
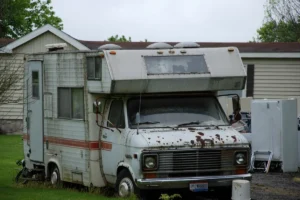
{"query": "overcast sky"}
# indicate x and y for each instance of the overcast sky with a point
(162, 20)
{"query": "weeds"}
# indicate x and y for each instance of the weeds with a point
(169, 197)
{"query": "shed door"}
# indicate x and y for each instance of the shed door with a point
(35, 110)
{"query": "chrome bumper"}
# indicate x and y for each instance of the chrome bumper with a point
(183, 182)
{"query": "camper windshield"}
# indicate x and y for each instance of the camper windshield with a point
(175, 112)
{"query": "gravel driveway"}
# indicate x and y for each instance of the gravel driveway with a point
(271, 186)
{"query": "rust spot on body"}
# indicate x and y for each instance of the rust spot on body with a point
(200, 133)
(200, 140)
(234, 138)
(218, 136)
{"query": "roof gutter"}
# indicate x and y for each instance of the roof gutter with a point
(5, 50)
(270, 55)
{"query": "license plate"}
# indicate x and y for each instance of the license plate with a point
(199, 187)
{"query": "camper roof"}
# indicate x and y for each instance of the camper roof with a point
(175, 70)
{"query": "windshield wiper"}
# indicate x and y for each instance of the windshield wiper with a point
(189, 123)
(147, 122)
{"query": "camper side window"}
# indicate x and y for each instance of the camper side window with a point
(70, 103)
(116, 114)
(94, 67)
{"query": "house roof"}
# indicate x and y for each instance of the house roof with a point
(5, 41)
(247, 50)
(46, 28)
(244, 47)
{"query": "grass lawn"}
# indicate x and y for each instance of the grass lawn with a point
(10, 151)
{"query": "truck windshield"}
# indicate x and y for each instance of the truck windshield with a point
(175, 111)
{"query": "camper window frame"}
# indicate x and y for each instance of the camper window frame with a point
(71, 103)
(100, 68)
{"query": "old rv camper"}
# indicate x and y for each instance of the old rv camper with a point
(134, 119)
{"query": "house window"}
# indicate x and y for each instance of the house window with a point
(94, 67)
(35, 84)
(116, 114)
(70, 103)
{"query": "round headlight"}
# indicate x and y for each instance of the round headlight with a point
(150, 162)
(240, 158)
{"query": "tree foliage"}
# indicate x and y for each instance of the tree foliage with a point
(282, 22)
(20, 17)
(116, 38)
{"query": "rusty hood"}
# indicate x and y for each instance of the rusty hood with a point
(193, 137)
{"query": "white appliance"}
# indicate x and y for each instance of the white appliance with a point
(274, 128)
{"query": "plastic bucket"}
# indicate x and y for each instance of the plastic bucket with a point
(240, 190)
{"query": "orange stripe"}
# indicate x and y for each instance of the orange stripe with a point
(106, 145)
(93, 145)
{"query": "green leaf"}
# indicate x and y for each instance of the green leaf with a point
(20, 17)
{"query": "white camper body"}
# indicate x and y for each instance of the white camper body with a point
(113, 143)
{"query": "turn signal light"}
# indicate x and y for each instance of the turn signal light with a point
(241, 171)
(112, 53)
(150, 175)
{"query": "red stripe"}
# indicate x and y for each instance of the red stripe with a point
(106, 145)
(93, 145)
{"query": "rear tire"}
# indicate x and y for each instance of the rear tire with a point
(20, 178)
(55, 176)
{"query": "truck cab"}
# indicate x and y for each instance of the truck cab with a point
(169, 129)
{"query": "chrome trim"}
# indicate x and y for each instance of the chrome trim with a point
(183, 182)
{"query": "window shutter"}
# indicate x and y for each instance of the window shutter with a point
(250, 81)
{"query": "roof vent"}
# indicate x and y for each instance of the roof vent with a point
(56, 47)
(109, 47)
(187, 45)
(159, 45)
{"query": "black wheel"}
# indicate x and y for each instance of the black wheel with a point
(125, 185)
(20, 178)
(55, 176)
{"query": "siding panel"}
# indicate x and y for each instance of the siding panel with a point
(13, 110)
(276, 78)
(37, 44)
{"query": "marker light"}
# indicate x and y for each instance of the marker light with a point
(230, 49)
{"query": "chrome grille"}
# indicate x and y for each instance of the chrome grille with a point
(196, 161)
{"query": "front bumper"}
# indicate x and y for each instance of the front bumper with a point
(183, 182)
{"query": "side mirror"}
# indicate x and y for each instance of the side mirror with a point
(236, 103)
(97, 107)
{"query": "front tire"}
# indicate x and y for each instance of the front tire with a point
(125, 185)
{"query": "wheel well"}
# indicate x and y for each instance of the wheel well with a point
(51, 166)
(120, 169)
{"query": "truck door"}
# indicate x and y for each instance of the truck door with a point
(112, 141)
(35, 122)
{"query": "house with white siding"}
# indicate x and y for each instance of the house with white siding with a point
(13, 53)
(273, 69)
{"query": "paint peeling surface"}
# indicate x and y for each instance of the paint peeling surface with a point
(183, 137)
